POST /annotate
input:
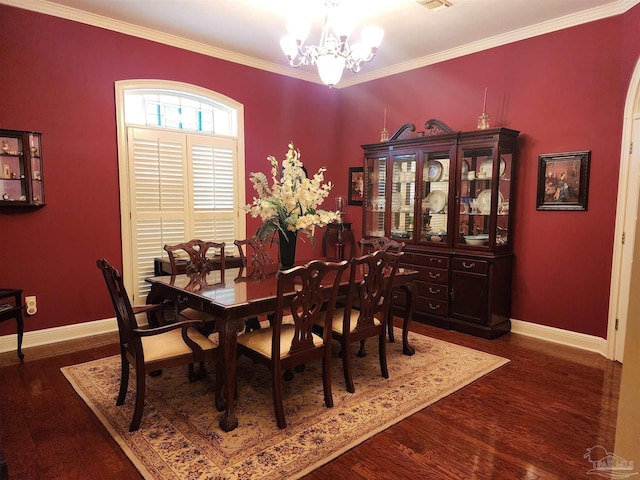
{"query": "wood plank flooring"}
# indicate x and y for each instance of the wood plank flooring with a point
(531, 419)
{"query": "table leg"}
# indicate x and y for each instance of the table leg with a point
(20, 323)
(228, 345)
(410, 290)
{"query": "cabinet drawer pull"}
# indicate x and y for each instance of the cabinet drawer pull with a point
(433, 259)
(434, 307)
(468, 265)
(434, 291)
(434, 275)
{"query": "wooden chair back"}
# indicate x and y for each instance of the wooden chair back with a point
(201, 256)
(255, 255)
(373, 244)
(121, 304)
(312, 294)
(372, 294)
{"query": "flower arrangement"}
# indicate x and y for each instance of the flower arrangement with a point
(291, 203)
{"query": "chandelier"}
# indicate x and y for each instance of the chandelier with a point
(334, 54)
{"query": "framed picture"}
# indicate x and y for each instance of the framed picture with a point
(563, 181)
(356, 185)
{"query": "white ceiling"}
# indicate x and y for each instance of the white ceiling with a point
(249, 31)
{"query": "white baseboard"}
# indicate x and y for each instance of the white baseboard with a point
(69, 332)
(563, 337)
(9, 343)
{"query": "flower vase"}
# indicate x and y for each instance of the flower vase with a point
(287, 247)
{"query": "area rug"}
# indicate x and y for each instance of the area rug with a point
(180, 438)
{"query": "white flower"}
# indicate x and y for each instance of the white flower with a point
(291, 203)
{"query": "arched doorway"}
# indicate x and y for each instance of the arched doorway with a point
(626, 217)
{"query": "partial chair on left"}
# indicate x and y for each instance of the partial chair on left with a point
(152, 349)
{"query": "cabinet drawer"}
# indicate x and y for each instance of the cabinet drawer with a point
(431, 306)
(433, 290)
(432, 275)
(470, 265)
(436, 261)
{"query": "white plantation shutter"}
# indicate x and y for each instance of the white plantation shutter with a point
(182, 186)
(214, 189)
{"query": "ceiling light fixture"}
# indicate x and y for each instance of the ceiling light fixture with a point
(334, 54)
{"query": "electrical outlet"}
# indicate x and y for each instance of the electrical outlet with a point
(32, 309)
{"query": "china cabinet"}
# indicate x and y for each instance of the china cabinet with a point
(21, 176)
(448, 196)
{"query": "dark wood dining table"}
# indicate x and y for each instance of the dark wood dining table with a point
(237, 295)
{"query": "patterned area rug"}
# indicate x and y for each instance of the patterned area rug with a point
(180, 438)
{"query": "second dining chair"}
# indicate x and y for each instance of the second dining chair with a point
(370, 283)
(374, 244)
(290, 341)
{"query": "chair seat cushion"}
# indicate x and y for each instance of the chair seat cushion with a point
(260, 340)
(337, 321)
(170, 344)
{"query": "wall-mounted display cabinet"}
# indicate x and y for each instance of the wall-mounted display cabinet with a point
(448, 195)
(21, 176)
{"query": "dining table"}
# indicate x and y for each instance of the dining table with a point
(236, 294)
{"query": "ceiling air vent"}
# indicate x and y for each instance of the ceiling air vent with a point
(435, 5)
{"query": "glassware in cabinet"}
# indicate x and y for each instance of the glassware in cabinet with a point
(403, 194)
(434, 195)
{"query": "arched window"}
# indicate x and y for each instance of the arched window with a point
(181, 161)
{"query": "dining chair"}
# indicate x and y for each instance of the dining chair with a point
(255, 254)
(374, 244)
(369, 319)
(201, 261)
(149, 349)
(290, 341)
(254, 258)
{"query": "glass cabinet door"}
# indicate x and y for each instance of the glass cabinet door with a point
(37, 190)
(476, 197)
(403, 194)
(375, 205)
(12, 177)
(504, 195)
(434, 205)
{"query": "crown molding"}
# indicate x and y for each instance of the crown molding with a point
(68, 13)
(561, 23)
(42, 6)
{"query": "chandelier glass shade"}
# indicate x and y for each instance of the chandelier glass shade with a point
(333, 54)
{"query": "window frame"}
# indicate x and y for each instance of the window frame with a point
(123, 160)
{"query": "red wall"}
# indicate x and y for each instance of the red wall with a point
(564, 91)
(57, 77)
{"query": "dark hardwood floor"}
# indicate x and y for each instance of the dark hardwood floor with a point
(532, 419)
